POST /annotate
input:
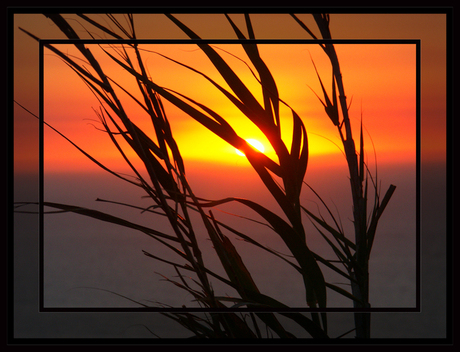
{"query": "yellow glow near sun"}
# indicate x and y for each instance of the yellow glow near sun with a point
(255, 143)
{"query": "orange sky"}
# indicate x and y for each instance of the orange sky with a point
(384, 86)
(380, 78)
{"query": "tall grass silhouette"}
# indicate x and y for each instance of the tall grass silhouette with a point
(164, 181)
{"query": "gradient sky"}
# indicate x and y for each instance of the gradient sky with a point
(380, 79)
(384, 89)
(429, 28)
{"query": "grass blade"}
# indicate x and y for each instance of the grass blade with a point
(108, 218)
(313, 277)
(378, 213)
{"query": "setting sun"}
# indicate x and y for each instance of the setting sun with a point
(290, 69)
(255, 143)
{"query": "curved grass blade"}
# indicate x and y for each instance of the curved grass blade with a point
(99, 26)
(189, 268)
(71, 34)
(232, 79)
(377, 214)
(269, 88)
(109, 218)
(242, 107)
(330, 108)
(313, 277)
(83, 152)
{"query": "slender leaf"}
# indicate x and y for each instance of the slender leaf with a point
(373, 225)
(108, 218)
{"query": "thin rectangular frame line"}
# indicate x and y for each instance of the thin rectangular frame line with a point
(44, 42)
(41, 194)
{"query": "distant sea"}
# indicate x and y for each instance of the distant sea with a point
(88, 264)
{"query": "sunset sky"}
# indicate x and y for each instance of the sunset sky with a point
(380, 79)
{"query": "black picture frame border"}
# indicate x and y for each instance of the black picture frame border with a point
(14, 340)
(44, 42)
